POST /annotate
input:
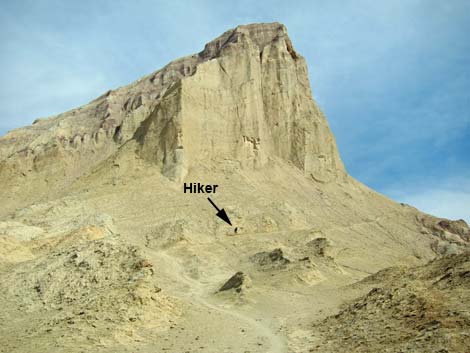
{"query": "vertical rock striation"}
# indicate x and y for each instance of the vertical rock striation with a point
(248, 101)
(245, 99)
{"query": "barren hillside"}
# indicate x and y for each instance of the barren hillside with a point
(103, 250)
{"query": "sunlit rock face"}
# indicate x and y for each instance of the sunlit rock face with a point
(245, 98)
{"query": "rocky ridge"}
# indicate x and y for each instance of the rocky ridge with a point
(419, 310)
(264, 110)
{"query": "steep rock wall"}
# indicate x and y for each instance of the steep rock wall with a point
(250, 103)
(245, 98)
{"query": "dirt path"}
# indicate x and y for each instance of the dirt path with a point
(200, 295)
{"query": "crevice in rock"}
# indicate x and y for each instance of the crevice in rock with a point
(291, 50)
(117, 133)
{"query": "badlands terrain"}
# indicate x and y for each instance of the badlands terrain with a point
(101, 250)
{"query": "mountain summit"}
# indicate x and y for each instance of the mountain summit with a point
(109, 240)
(244, 99)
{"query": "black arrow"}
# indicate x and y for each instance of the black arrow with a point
(220, 213)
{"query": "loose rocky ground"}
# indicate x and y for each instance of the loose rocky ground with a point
(424, 309)
(92, 292)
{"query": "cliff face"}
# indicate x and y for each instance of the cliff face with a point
(248, 101)
(244, 99)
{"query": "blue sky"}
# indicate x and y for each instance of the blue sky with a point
(393, 77)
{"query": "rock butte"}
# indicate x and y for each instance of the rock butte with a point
(101, 248)
(245, 98)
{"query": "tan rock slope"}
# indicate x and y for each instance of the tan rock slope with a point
(420, 310)
(103, 251)
(244, 98)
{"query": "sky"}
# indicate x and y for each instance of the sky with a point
(392, 77)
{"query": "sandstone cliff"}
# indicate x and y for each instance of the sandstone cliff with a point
(245, 98)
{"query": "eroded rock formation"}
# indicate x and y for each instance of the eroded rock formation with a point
(245, 98)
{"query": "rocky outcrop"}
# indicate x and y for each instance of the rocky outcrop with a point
(270, 259)
(245, 98)
(235, 282)
(102, 289)
(407, 311)
(451, 237)
(248, 101)
(320, 247)
(439, 226)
